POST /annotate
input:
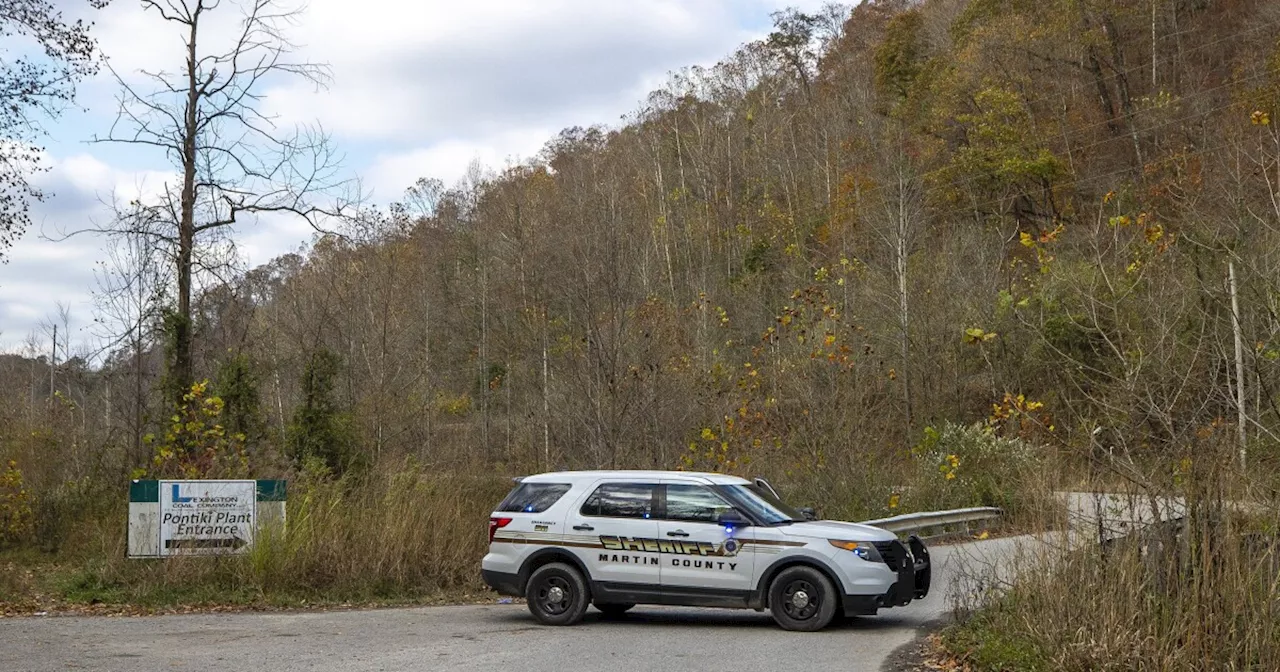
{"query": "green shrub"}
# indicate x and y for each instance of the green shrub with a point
(321, 428)
(970, 465)
(16, 523)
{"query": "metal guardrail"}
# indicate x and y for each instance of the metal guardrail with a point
(913, 522)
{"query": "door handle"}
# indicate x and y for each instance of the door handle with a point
(677, 533)
(583, 528)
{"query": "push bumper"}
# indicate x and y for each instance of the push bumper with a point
(502, 582)
(915, 574)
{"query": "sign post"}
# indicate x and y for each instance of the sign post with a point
(200, 517)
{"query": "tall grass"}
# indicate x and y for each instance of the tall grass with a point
(412, 533)
(400, 535)
(1202, 593)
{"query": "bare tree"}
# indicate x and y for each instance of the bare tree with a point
(128, 299)
(900, 229)
(235, 162)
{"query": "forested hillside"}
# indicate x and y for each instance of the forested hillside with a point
(899, 256)
(879, 224)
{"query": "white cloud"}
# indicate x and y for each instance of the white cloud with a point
(431, 70)
(441, 70)
(86, 172)
(44, 271)
(39, 276)
(392, 172)
(84, 178)
(270, 236)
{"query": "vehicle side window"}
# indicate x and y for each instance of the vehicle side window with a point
(621, 500)
(533, 497)
(694, 503)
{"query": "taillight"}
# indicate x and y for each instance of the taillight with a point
(496, 524)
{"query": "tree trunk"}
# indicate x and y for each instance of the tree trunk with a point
(1094, 66)
(181, 375)
(1154, 43)
(901, 252)
(1239, 347)
(484, 357)
(426, 368)
(1122, 86)
(546, 401)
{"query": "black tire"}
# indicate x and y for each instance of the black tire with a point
(614, 609)
(802, 599)
(550, 607)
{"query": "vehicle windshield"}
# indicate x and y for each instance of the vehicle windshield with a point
(761, 504)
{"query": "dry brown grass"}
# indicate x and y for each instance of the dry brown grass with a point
(397, 536)
(406, 531)
(1199, 594)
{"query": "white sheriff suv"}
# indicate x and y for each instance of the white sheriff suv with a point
(620, 538)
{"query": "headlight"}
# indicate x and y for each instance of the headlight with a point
(863, 549)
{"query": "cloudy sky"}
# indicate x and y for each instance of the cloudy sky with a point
(421, 88)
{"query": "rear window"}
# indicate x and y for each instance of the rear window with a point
(533, 497)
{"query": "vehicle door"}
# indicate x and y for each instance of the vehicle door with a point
(698, 551)
(614, 532)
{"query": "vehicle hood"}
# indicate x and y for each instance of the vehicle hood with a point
(837, 529)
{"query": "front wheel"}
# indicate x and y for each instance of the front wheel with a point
(557, 594)
(802, 599)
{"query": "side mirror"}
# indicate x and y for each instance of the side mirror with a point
(733, 518)
(808, 513)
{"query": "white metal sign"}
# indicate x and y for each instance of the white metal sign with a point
(206, 517)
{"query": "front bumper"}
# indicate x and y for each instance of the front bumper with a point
(915, 574)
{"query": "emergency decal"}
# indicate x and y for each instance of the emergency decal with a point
(728, 548)
(694, 552)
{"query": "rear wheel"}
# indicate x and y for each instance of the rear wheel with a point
(802, 598)
(615, 609)
(557, 594)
